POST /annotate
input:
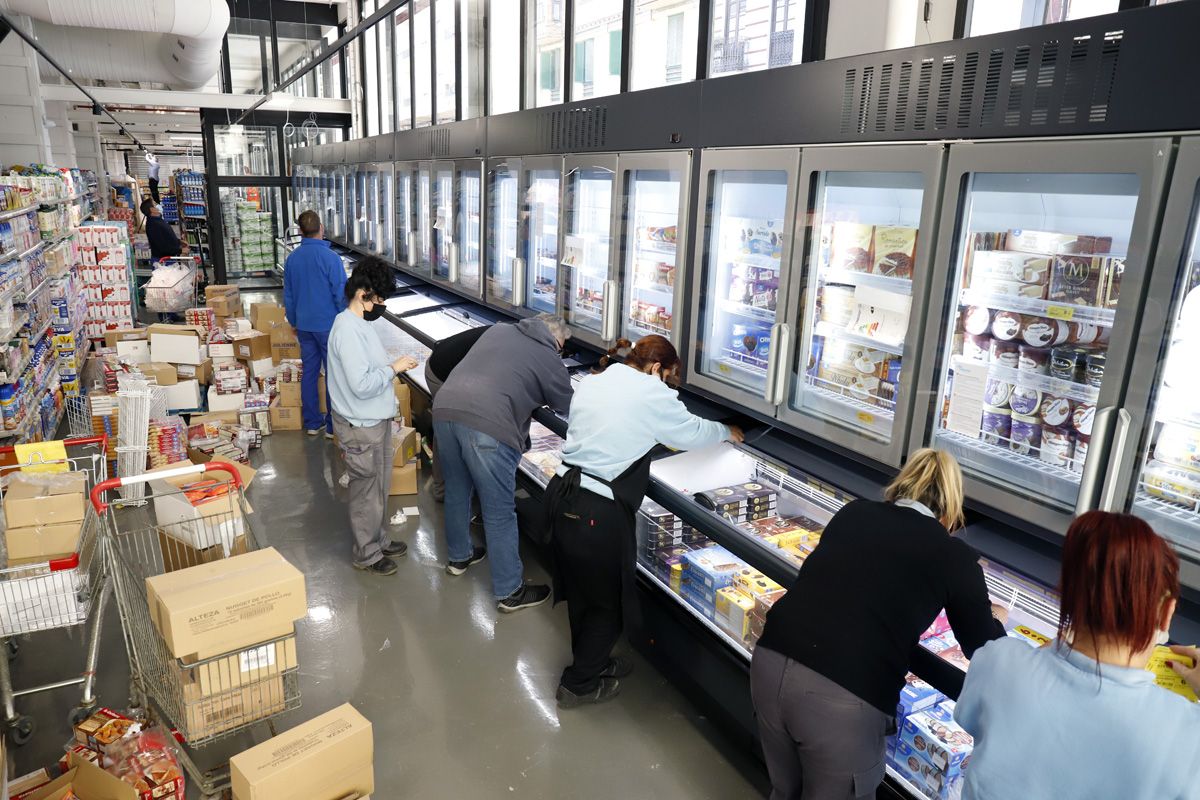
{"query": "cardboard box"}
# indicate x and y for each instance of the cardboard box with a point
(202, 373)
(332, 756)
(178, 554)
(183, 395)
(86, 782)
(942, 741)
(42, 542)
(286, 418)
(253, 346)
(44, 499)
(238, 671)
(261, 368)
(209, 716)
(162, 373)
(284, 343)
(221, 353)
(404, 479)
(406, 443)
(217, 520)
(134, 351)
(226, 305)
(403, 401)
(227, 605)
(289, 395)
(219, 289)
(263, 316)
(111, 338)
(214, 417)
(175, 344)
(25, 785)
(195, 456)
(225, 402)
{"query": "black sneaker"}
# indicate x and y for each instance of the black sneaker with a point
(618, 667)
(384, 566)
(607, 690)
(527, 596)
(396, 549)
(459, 567)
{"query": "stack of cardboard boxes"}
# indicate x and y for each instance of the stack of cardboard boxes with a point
(43, 515)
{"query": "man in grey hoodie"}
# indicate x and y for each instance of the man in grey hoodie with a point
(481, 421)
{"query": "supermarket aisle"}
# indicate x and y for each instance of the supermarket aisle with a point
(462, 702)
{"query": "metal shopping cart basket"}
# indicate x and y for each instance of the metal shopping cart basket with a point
(58, 593)
(192, 519)
(173, 285)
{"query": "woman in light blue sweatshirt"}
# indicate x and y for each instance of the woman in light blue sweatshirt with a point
(617, 418)
(359, 377)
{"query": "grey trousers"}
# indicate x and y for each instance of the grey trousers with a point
(368, 454)
(820, 741)
(439, 483)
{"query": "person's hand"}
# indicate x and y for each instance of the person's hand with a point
(1000, 612)
(1190, 674)
(735, 435)
(404, 364)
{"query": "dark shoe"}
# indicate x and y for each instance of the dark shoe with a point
(607, 690)
(527, 596)
(618, 667)
(384, 566)
(396, 549)
(328, 434)
(459, 567)
(313, 431)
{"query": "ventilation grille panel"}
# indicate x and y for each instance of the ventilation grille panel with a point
(437, 143)
(574, 129)
(1040, 84)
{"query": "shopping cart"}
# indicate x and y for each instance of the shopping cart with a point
(204, 700)
(57, 593)
(173, 286)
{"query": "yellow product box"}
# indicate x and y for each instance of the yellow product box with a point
(732, 612)
(676, 580)
(789, 539)
(754, 585)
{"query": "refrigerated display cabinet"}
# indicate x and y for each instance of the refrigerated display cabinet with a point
(588, 287)
(362, 200)
(384, 224)
(654, 198)
(371, 203)
(503, 232)
(859, 308)
(424, 213)
(406, 221)
(740, 336)
(522, 244)
(442, 211)
(1044, 256)
(466, 251)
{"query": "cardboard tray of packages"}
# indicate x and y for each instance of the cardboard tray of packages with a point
(218, 520)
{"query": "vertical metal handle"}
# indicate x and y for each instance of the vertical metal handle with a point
(412, 251)
(453, 262)
(1110, 495)
(1097, 460)
(518, 281)
(608, 328)
(780, 344)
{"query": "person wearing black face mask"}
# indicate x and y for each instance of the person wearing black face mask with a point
(360, 376)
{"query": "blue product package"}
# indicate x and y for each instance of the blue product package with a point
(943, 742)
(917, 695)
(713, 566)
(930, 781)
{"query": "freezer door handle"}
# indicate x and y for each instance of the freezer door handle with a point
(453, 276)
(777, 362)
(608, 312)
(1111, 497)
(518, 281)
(412, 251)
(1097, 461)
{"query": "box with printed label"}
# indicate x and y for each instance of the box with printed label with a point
(406, 443)
(404, 479)
(252, 346)
(237, 671)
(226, 605)
(221, 352)
(200, 521)
(163, 374)
(289, 394)
(122, 335)
(714, 566)
(942, 742)
(211, 715)
(286, 418)
(732, 612)
(332, 756)
(917, 695)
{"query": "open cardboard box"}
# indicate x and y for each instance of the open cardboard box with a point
(176, 344)
(87, 782)
(214, 521)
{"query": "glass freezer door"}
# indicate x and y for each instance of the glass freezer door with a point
(371, 209)
(404, 216)
(385, 228)
(424, 212)
(653, 188)
(542, 185)
(443, 220)
(587, 247)
(744, 247)
(1033, 346)
(360, 206)
(468, 225)
(502, 218)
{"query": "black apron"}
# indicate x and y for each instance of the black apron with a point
(628, 489)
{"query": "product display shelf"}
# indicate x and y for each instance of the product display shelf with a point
(1182, 510)
(831, 331)
(1081, 392)
(856, 278)
(6, 378)
(60, 201)
(27, 296)
(826, 391)
(958, 442)
(1042, 308)
(15, 256)
(19, 322)
(744, 362)
(664, 289)
(736, 646)
(750, 312)
(648, 328)
(16, 212)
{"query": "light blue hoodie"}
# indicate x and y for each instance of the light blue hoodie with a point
(358, 372)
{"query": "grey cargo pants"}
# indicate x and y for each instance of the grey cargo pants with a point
(368, 454)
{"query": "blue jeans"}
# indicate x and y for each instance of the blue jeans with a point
(475, 462)
(314, 348)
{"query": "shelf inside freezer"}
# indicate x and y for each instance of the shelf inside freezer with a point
(998, 461)
(856, 278)
(1067, 312)
(656, 247)
(829, 330)
(869, 409)
(749, 312)
(1045, 384)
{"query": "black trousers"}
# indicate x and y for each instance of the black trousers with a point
(588, 556)
(154, 190)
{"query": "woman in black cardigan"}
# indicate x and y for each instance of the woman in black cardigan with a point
(828, 669)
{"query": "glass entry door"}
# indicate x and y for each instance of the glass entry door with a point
(503, 215)
(586, 257)
(654, 247)
(744, 249)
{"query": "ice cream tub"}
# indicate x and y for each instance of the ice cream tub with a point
(1006, 326)
(1082, 418)
(1173, 484)
(1004, 354)
(1033, 359)
(977, 347)
(1057, 446)
(1025, 400)
(1056, 411)
(1065, 363)
(1179, 446)
(998, 393)
(977, 320)
(995, 425)
(1025, 435)
(1042, 332)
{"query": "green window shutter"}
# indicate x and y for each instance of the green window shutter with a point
(548, 70)
(614, 52)
(580, 63)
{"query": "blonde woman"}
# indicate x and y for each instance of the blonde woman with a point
(829, 667)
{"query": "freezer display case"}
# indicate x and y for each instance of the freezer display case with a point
(864, 263)
(1042, 311)
(372, 207)
(743, 249)
(541, 186)
(443, 219)
(406, 222)
(360, 223)
(385, 228)
(465, 250)
(424, 211)
(654, 223)
(344, 190)
(503, 232)
(587, 280)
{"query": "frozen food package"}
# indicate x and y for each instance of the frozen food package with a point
(998, 393)
(894, 248)
(1006, 326)
(1077, 280)
(1025, 400)
(996, 425)
(1051, 242)
(1003, 265)
(1082, 418)
(1034, 360)
(851, 246)
(1056, 411)
(977, 347)
(1004, 354)
(1170, 483)
(837, 304)
(1044, 332)
(1025, 435)
(1178, 445)
(1058, 446)
(1003, 288)
(977, 320)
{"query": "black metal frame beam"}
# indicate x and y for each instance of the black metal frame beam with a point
(311, 13)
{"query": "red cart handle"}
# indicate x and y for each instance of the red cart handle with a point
(192, 469)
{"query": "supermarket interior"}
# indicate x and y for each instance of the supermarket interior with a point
(843, 232)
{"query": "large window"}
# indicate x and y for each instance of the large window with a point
(545, 60)
(504, 44)
(422, 61)
(664, 42)
(993, 16)
(298, 45)
(249, 56)
(750, 35)
(597, 55)
(246, 150)
(371, 79)
(446, 81)
(403, 70)
(387, 123)
(471, 27)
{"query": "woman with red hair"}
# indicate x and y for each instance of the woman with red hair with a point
(1082, 717)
